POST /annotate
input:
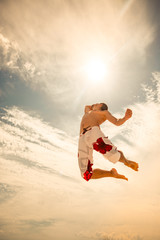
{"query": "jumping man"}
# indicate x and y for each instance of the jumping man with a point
(91, 137)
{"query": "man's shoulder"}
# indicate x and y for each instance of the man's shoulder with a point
(101, 114)
(105, 112)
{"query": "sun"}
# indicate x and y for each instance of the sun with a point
(96, 70)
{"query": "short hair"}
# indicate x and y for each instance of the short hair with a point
(104, 107)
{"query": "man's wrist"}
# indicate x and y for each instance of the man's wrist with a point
(125, 118)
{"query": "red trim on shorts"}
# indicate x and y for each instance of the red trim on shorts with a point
(88, 173)
(101, 146)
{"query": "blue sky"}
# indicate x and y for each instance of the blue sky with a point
(44, 47)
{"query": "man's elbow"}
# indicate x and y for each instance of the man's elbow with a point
(120, 121)
(118, 124)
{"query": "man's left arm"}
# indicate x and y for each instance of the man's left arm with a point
(118, 122)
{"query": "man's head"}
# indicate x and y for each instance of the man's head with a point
(99, 107)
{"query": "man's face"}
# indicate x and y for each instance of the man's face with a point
(96, 107)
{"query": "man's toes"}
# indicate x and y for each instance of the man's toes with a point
(123, 177)
(134, 166)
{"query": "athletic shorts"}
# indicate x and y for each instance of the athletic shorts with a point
(94, 138)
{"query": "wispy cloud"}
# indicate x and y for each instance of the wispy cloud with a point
(109, 236)
(31, 142)
(7, 192)
(13, 60)
(35, 225)
(9, 53)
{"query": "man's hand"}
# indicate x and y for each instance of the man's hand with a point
(128, 114)
(87, 109)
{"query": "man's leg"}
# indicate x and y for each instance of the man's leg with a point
(128, 163)
(99, 173)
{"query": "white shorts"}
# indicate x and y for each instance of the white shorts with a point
(94, 138)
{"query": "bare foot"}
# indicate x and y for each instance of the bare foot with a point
(117, 175)
(132, 165)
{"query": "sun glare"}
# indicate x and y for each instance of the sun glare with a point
(96, 70)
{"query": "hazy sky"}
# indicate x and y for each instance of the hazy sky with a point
(45, 47)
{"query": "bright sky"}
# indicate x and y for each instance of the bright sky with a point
(55, 58)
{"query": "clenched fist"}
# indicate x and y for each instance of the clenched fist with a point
(128, 114)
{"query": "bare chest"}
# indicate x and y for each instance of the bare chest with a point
(91, 119)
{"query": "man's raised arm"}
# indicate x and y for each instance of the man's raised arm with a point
(118, 122)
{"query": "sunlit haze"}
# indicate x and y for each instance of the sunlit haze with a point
(96, 70)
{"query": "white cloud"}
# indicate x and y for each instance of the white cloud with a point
(9, 53)
(14, 60)
(28, 137)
